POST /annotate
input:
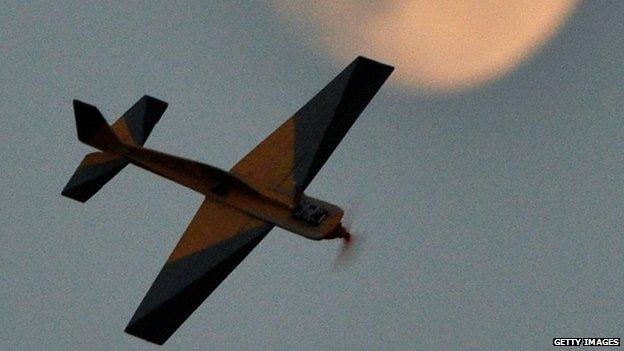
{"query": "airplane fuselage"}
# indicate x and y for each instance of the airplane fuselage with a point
(224, 187)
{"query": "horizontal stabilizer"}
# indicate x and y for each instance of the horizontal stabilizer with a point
(137, 123)
(95, 170)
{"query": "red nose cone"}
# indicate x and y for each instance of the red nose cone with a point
(345, 234)
(339, 232)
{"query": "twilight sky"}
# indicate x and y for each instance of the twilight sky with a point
(492, 215)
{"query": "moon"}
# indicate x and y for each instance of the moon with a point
(436, 45)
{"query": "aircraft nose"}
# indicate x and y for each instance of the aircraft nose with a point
(339, 232)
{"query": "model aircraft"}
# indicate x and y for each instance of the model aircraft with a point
(263, 190)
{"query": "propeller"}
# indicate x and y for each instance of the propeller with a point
(351, 244)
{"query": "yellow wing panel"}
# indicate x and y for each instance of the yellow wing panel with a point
(213, 223)
(270, 164)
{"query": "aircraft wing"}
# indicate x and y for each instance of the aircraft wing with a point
(292, 155)
(218, 238)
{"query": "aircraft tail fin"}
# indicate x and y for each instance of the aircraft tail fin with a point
(92, 127)
(97, 168)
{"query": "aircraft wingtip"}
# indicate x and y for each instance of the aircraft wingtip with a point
(135, 329)
(366, 60)
(155, 101)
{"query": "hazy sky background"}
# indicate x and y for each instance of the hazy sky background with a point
(493, 216)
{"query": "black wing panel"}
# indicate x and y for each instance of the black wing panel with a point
(321, 124)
